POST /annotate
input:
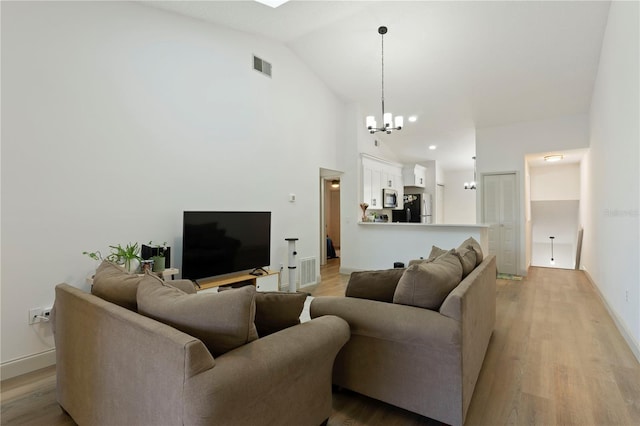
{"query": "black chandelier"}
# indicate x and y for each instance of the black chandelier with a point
(472, 184)
(388, 123)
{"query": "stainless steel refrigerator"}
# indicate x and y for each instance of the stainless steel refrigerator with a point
(417, 209)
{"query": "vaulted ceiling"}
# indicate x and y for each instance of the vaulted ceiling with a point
(457, 66)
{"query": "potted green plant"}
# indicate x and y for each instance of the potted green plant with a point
(159, 258)
(128, 256)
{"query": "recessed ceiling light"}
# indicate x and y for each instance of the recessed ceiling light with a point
(432, 147)
(413, 118)
(552, 158)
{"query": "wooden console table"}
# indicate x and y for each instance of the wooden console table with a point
(265, 282)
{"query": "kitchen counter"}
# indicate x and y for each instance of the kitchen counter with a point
(442, 225)
(377, 245)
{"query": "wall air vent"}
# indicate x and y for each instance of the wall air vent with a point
(261, 65)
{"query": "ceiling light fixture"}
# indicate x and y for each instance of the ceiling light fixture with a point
(272, 3)
(472, 184)
(388, 123)
(413, 119)
(432, 147)
(552, 158)
(335, 184)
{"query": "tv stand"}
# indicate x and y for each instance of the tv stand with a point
(268, 281)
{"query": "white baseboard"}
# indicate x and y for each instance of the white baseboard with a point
(27, 364)
(348, 271)
(628, 337)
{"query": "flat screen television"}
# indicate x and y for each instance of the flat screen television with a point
(218, 243)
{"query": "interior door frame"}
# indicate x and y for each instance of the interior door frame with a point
(326, 175)
(518, 210)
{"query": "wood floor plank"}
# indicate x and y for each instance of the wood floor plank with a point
(555, 358)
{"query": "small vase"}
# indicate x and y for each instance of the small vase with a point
(158, 263)
(131, 265)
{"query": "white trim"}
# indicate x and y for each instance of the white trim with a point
(628, 337)
(27, 364)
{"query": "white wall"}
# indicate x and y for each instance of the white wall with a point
(503, 149)
(459, 203)
(558, 182)
(611, 253)
(117, 117)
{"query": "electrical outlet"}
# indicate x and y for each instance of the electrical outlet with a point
(46, 312)
(34, 315)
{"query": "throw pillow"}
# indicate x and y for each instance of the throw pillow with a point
(436, 251)
(426, 285)
(222, 321)
(113, 284)
(467, 257)
(374, 285)
(276, 310)
(473, 244)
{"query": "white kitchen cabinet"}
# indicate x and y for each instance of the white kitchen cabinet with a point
(378, 175)
(414, 175)
(372, 184)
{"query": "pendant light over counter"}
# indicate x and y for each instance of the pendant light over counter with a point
(388, 122)
(472, 184)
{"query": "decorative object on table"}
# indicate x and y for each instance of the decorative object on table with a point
(387, 118)
(159, 253)
(146, 266)
(127, 256)
(364, 207)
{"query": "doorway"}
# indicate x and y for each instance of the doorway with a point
(330, 232)
(500, 213)
(554, 202)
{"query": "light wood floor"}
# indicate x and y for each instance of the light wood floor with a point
(555, 358)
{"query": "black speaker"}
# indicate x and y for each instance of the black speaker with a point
(147, 252)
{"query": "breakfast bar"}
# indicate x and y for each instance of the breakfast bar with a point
(379, 244)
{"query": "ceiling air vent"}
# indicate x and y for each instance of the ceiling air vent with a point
(261, 65)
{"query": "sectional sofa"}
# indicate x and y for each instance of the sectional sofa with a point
(140, 351)
(418, 335)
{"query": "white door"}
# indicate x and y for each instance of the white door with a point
(500, 212)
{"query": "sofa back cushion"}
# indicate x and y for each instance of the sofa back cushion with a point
(475, 246)
(426, 285)
(374, 285)
(277, 310)
(467, 257)
(222, 321)
(113, 284)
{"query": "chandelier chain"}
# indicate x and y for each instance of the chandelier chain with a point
(382, 74)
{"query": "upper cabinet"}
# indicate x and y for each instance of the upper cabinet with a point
(414, 175)
(377, 175)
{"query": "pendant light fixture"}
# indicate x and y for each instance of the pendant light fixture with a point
(388, 123)
(553, 261)
(472, 184)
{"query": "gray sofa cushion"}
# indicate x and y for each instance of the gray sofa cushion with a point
(436, 252)
(113, 284)
(222, 321)
(467, 257)
(277, 310)
(426, 285)
(374, 285)
(472, 243)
